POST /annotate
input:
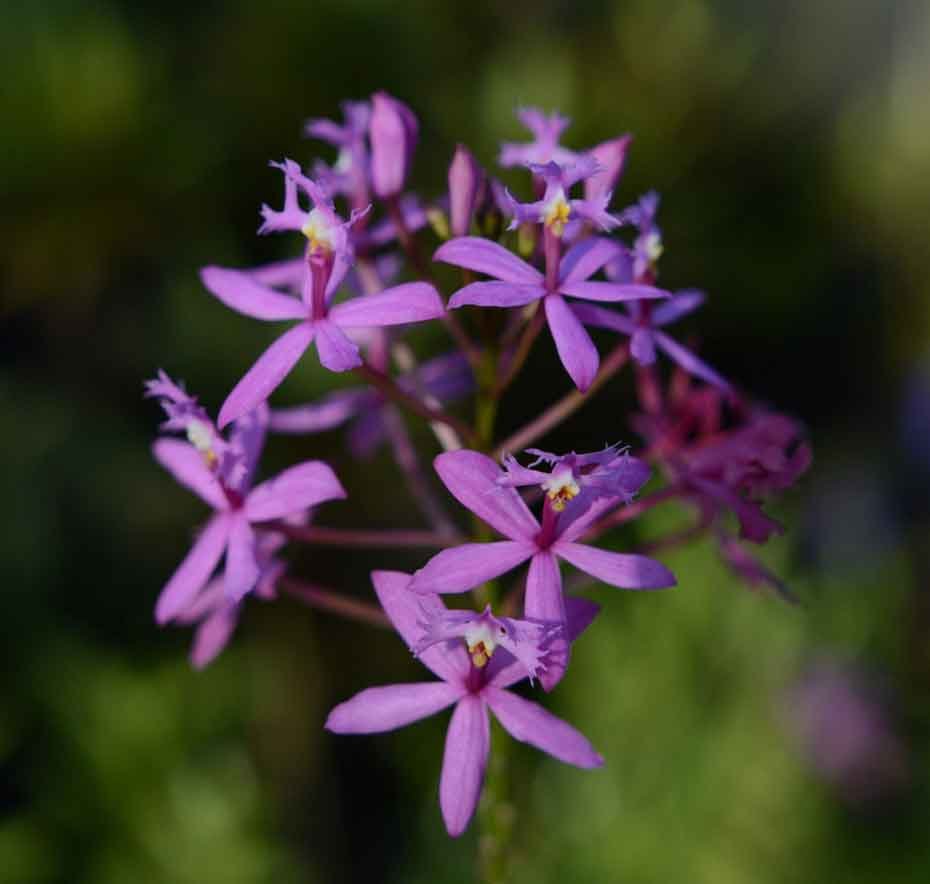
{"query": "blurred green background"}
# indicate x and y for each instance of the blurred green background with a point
(791, 142)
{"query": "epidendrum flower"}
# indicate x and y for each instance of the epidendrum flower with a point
(547, 130)
(473, 479)
(319, 321)
(236, 504)
(445, 378)
(516, 284)
(474, 689)
(350, 174)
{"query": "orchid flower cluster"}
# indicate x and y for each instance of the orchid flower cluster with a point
(359, 280)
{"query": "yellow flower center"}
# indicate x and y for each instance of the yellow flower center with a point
(318, 231)
(479, 639)
(557, 213)
(560, 488)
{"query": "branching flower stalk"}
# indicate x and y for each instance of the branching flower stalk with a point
(369, 257)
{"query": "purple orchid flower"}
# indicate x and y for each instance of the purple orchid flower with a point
(446, 378)
(547, 130)
(575, 481)
(749, 569)
(320, 322)
(516, 284)
(474, 480)
(472, 689)
(228, 489)
(647, 248)
(555, 209)
(349, 175)
(393, 131)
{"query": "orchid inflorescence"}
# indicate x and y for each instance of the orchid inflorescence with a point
(558, 260)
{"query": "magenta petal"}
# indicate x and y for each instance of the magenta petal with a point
(610, 156)
(472, 477)
(185, 463)
(642, 346)
(270, 369)
(337, 352)
(194, 571)
(576, 349)
(293, 491)
(407, 610)
(466, 566)
(496, 294)
(316, 417)
(623, 570)
(689, 362)
(239, 289)
(376, 710)
(241, 567)
(680, 304)
(585, 258)
(213, 635)
(484, 256)
(579, 615)
(285, 274)
(603, 317)
(611, 291)
(411, 302)
(544, 601)
(530, 723)
(468, 742)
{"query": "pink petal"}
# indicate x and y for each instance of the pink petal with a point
(530, 723)
(585, 258)
(271, 368)
(579, 615)
(611, 291)
(329, 412)
(472, 479)
(292, 491)
(496, 294)
(689, 362)
(468, 742)
(642, 346)
(680, 304)
(602, 317)
(337, 352)
(241, 567)
(626, 571)
(240, 290)
(185, 463)
(576, 349)
(411, 302)
(213, 635)
(284, 274)
(466, 566)
(376, 710)
(406, 611)
(194, 571)
(544, 601)
(484, 256)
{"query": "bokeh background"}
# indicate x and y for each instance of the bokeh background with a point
(746, 740)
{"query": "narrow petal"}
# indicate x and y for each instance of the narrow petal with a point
(213, 635)
(337, 352)
(579, 615)
(241, 567)
(472, 477)
(468, 742)
(544, 601)
(316, 417)
(626, 571)
(376, 710)
(185, 463)
(292, 491)
(281, 274)
(603, 317)
(406, 611)
(411, 302)
(530, 723)
(193, 573)
(272, 367)
(496, 294)
(642, 346)
(611, 291)
(689, 362)
(585, 258)
(466, 566)
(576, 349)
(484, 256)
(240, 290)
(680, 304)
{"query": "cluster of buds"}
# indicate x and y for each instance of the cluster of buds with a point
(358, 278)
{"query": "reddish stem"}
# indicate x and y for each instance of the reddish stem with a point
(361, 539)
(333, 602)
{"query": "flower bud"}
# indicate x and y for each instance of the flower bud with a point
(393, 134)
(465, 179)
